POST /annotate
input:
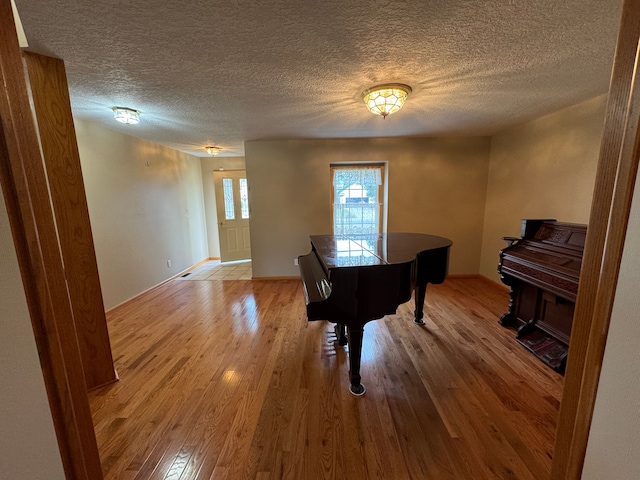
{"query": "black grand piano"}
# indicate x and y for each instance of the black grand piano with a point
(353, 279)
(542, 269)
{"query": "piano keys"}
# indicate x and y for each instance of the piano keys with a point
(542, 269)
(352, 279)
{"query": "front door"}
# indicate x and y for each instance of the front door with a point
(232, 205)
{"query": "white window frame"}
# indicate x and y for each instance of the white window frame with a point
(381, 193)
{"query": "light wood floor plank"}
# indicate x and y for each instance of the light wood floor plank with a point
(227, 380)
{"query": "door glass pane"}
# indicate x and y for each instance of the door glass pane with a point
(244, 198)
(227, 187)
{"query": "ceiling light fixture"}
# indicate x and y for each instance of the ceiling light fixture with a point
(125, 115)
(213, 151)
(386, 99)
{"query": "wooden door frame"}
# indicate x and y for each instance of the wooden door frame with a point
(611, 204)
(47, 80)
(32, 223)
(33, 227)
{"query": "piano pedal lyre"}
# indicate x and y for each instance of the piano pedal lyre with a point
(340, 332)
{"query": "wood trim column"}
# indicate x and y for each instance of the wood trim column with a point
(615, 179)
(50, 93)
(26, 195)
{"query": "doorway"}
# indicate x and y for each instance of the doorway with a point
(232, 207)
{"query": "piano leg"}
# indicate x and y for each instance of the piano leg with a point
(355, 334)
(420, 293)
(508, 319)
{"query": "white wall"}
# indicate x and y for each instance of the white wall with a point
(209, 164)
(613, 451)
(146, 207)
(28, 446)
(542, 169)
(436, 185)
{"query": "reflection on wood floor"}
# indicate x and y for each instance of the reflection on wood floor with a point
(227, 380)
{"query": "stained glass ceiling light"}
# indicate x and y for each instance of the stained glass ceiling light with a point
(213, 151)
(386, 99)
(125, 115)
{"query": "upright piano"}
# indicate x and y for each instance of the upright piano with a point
(353, 279)
(542, 269)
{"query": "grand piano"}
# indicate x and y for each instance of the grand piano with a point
(353, 279)
(542, 269)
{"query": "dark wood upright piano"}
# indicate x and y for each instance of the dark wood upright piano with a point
(542, 269)
(351, 280)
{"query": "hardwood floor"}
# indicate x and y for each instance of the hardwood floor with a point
(228, 380)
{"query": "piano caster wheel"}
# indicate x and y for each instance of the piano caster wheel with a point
(357, 390)
(418, 321)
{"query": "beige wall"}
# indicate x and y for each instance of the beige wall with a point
(28, 446)
(166, 210)
(614, 439)
(146, 207)
(436, 185)
(209, 164)
(542, 169)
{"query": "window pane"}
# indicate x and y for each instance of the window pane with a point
(356, 202)
(227, 187)
(244, 198)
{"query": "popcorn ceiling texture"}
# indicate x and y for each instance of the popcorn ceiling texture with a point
(221, 72)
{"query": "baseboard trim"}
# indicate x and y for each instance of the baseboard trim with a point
(494, 283)
(276, 278)
(480, 277)
(151, 289)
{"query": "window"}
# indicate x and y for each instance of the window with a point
(244, 198)
(229, 210)
(357, 199)
(230, 190)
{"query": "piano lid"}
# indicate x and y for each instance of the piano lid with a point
(376, 249)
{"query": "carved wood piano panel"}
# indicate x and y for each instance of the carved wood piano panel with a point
(542, 268)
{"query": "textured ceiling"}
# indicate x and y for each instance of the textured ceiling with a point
(223, 72)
